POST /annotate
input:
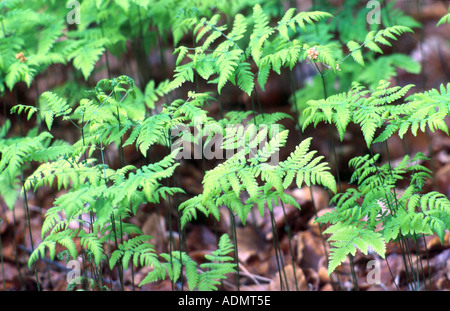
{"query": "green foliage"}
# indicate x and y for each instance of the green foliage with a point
(248, 172)
(230, 60)
(374, 214)
(380, 108)
(236, 46)
(203, 277)
(358, 49)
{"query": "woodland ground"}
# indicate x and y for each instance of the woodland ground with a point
(256, 252)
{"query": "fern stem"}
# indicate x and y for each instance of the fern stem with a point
(390, 272)
(16, 257)
(419, 261)
(29, 225)
(288, 230)
(169, 220)
(411, 264)
(119, 266)
(405, 262)
(106, 53)
(428, 259)
(132, 276)
(422, 58)
(83, 255)
(336, 164)
(236, 254)
(297, 112)
(1, 258)
(258, 102)
(277, 253)
(122, 156)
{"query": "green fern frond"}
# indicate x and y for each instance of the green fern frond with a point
(346, 239)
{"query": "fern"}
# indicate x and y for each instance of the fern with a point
(230, 60)
(137, 251)
(374, 204)
(248, 167)
(370, 112)
(203, 277)
(346, 239)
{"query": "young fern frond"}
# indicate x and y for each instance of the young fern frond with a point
(420, 110)
(203, 277)
(136, 250)
(346, 239)
(374, 110)
(241, 174)
(218, 266)
(373, 215)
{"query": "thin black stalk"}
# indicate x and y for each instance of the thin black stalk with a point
(392, 275)
(258, 101)
(169, 219)
(27, 210)
(419, 262)
(288, 231)
(291, 79)
(83, 255)
(411, 264)
(428, 260)
(1, 258)
(132, 276)
(119, 266)
(406, 262)
(181, 238)
(16, 255)
(236, 255)
(422, 55)
(336, 164)
(121, 152)
(277, 255)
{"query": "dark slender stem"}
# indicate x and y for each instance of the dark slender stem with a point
(428, 259)
(236, 255)
(29, 227)
(336, 162)
(119, 266)
(390, 271)
(132, 276)
(288, 230)
(16, 256)
(291, 78)
(1, 257)
(277, 254)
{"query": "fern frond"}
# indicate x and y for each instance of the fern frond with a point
(347, 239)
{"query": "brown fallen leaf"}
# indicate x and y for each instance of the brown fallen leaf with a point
(201, 238)
(251, 243)
(154, 226)
(312, 279)
(442, 177)
(303, 196)
(309, 250)
(316, 227)
(292, 285)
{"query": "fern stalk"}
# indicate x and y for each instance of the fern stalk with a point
(27, 210)
(336, 164)
(292, 82)
(119, 267)
(1, 258)
(288, 230)
(236, 255)
(278, 254)
(16, 257)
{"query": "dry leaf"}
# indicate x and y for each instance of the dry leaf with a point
(302, 285)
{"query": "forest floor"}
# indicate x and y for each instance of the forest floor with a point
(256, 253)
